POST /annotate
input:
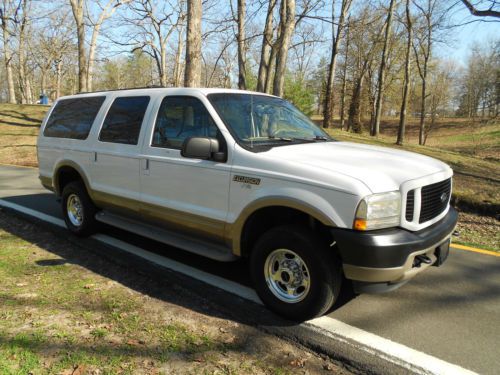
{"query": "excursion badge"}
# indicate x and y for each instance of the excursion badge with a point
(246, 180)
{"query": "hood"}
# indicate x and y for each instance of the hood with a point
(381, 169)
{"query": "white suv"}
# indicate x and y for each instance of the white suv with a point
(228, 174)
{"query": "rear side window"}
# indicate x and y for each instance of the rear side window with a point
(73, 118)
(124, 119)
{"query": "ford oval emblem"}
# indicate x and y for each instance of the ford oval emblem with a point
(443, 197)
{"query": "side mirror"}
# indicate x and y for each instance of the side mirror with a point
(202, 148)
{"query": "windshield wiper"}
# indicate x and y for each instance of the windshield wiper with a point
(285, 139)
(316, 138)
(298, 139)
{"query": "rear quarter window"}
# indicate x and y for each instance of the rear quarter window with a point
(124, 120)
(73, 118)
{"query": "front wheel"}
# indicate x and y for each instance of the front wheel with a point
(295, 273)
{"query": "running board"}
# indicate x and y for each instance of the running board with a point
(196, 246)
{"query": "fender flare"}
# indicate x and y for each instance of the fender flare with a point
(235, 230)
(73, 165)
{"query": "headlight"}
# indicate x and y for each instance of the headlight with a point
(378, 211)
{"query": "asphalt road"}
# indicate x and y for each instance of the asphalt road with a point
(451, 312)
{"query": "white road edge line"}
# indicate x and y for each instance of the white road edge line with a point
(411, 359)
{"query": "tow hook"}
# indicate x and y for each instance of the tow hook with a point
(419, 259)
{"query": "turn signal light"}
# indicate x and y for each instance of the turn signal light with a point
(360, 224)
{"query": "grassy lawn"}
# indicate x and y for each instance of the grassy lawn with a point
(19, 125)
(59, 317)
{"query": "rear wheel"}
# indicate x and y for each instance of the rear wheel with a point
(295, 273)
(78, 209)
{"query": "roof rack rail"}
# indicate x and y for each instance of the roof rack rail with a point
(124, 89)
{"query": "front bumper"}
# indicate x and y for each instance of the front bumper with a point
(384, 259)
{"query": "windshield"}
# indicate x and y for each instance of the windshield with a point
(258, 120)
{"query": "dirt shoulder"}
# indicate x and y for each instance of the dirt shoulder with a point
(59, 314)
(478, 231)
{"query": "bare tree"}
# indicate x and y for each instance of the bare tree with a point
(106, 12)
(77, 7)
(178, 66)
(192, 75)
(267, 43)
(22, 26)
(490, 12)
(381, 74)
(479, 85)
(86, 63)
(336, 39)
(364, 43)
(152, 28)
(433, 18)
(286, 28)
(344, 77)
(406, 84)
(240, 37)
(8, 10)
(50, 49)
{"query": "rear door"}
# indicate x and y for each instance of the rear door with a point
(178, 192)
(116, 160)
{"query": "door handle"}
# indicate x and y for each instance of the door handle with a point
(145, 166)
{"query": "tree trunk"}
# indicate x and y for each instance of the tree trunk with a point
(421, 134)
(43, 81)
(92, 51)
(344, 80)
(329, 97)
(178, 57)
(242, 84)
(406, 87)
(354, 121)
(107, 12)
(192, 76)
(58, 78)
(163, 64)
(287, 25)
(11, 92)
(24, 84)
(381, 74)
(265, 55)
(270, 72)
(24, 88)
(77, 8)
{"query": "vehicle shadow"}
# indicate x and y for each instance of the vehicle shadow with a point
(148, 278)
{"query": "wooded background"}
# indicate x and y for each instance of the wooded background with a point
(350, 62)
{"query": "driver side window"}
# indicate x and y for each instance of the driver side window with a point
(181, 117)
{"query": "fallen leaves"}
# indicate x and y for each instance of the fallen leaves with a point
(299, 362)
(76, 370)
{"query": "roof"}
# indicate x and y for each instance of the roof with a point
(166, 90)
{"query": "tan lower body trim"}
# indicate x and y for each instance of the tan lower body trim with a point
(392, 274)
(46, 182)
(163, 217)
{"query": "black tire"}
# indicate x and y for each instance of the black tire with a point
(88, 210)
(324, 272)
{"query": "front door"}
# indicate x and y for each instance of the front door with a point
(181, 193)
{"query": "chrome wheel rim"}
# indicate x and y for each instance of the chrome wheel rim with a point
(75, 210)
(287, 275)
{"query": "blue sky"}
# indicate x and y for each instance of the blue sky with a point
(461, 39)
